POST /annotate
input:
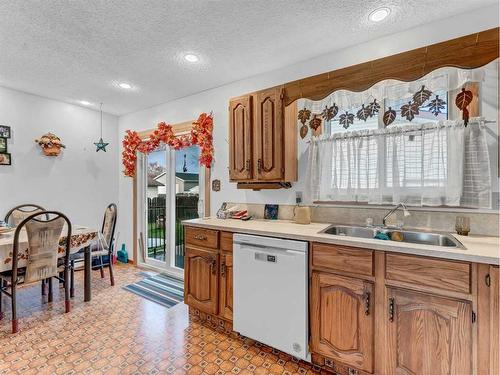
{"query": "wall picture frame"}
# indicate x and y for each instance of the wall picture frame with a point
(5, 159)
(5, 131)
(3, 145)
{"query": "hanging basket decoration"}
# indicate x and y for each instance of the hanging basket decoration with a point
(436, 105)
(373, 108)
(409, 110)
(389, 116)
(421, 96)
(463, 99)
(304, 115)
(201, 135)
(50, 144)
(329, 113)
(346, 119)
(363, 113)
(315, 122)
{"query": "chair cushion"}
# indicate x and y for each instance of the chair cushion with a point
(99, 248)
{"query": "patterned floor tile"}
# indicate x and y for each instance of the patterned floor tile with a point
(121, 333)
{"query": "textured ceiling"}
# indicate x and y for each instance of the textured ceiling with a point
(80, 49)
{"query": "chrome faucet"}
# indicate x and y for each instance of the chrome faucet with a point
(400, 205)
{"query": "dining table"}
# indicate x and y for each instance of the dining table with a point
(81, 240)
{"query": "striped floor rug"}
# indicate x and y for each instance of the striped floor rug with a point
(162, 289)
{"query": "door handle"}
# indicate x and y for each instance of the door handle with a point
(367, 303)
(391, 309)
(223, 268)
(213, 266)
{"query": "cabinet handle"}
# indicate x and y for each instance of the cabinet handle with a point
(487, 280)
(391, 310)
(223, 268)
(247, 167)
(367, 303)
(213, 266)
(259, 165)
(200, 237)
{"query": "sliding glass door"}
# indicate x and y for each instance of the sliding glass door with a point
(171, 191)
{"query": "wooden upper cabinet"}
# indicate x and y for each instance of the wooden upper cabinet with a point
(427, 334)
(201, 280)
(240, 138)
(262, 140)
(268, 123)
(342, 319)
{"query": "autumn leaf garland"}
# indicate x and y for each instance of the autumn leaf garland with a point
(201, 135)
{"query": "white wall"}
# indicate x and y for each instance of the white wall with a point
(79, 182)
(217, 99)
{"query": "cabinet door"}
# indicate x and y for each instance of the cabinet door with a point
(201, 280)
(342, 319)
(240, 138)
(269, 144)
(226, 287)
(494, 319)
(428, 335)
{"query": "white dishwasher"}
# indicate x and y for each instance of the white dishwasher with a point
(270, 292)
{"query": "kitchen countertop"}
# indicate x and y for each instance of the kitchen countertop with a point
(479, 249)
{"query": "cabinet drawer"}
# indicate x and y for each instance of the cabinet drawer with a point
(226, 241)
(202, 237)
(429, 272)
(343, 258)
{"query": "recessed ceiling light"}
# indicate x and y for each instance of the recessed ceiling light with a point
(84, 102)
(125, 85)
(191, 58)
(379, 14)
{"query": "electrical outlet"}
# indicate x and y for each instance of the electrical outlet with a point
(298, 197)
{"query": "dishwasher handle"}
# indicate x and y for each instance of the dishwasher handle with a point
(271, 249)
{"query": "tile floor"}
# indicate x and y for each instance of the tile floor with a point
(121, 333)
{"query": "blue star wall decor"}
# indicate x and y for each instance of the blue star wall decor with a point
(101, 145)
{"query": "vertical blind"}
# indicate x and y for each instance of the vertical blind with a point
(432, 164)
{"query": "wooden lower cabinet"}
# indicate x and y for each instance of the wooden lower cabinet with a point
(226, 287)
(420, 327)
(201, 282)
(488, 316)
(427, 335)
(342, 319)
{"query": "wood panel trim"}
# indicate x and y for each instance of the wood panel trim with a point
(467, 52)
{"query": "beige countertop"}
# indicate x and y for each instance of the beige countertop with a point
(479, 249)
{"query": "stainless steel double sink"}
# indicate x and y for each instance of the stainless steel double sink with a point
(416, 237)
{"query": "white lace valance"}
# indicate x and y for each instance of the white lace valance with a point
(443, 79)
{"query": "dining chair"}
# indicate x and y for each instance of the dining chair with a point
(21, 212)
(43, 230)
(101, 248)
(18, 214)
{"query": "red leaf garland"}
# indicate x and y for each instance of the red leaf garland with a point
(201, 135)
